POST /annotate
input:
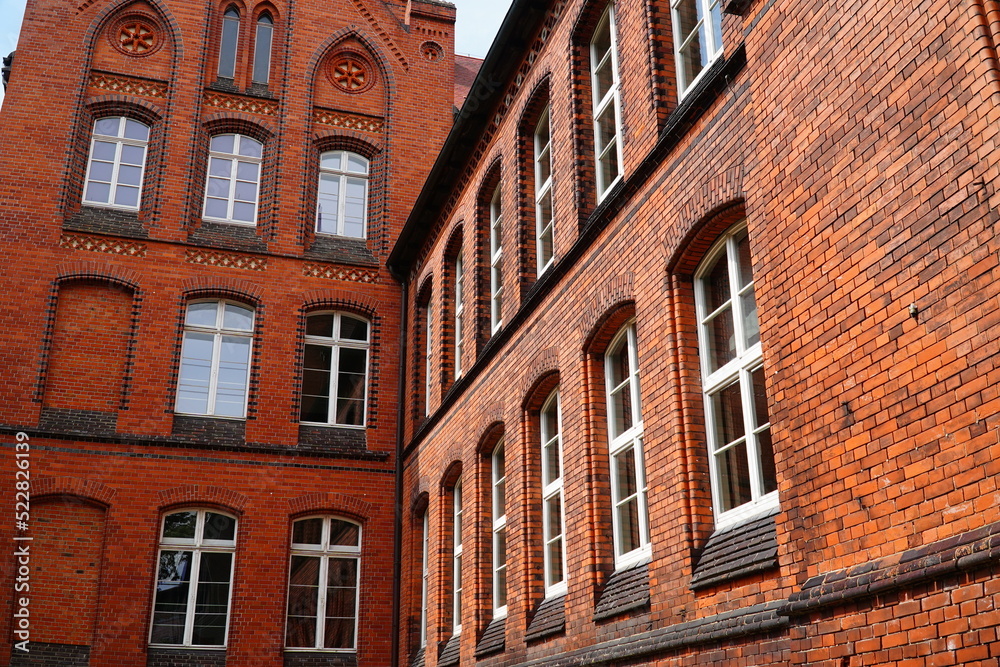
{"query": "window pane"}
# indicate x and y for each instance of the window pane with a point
(331, 160)
(243, 212)
(108, 126)
(320, 325)
(621, 409)
(247, 171)
(195, 374)
(552, 466)
(129, 175)
(170, 606)
(308, 531)
(133, 154)
(212, 599)
(357, 164)
(250, 147)
(303, 601)
(218, 187)
(216, 208)
(180, 525)
(353, 361)
(227, 49)
(262, 51)
(237, 318)
(127, 196)
(350, 412)
(220, 166)
(728, 409)
(98, 192)
(734, 477)
(628, 526)
(101, 171)
(219, 527)
(316, 383)
(625, 473)
(246, 192)
(721, 339)
(601, 42)
(353, 329)
(716, 283)
(315, 409)
(104, 150)
(136, 130)
(751, 327)
(344, 533)
(223, 143)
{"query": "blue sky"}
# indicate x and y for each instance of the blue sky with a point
(478, 21)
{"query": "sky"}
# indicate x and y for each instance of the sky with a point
(478, 22)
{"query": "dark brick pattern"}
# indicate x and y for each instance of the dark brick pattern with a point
(418, 658)
(41, 654)
(450, 652)
(738, 551)
(319, 659)
(626, 590)
(211, 429)
(494, 638)
(245, 238)
(176, 657)
(332, 439)
(341, 250)
(967, 551)
(107, 221)
(70, 420)
(549, 619)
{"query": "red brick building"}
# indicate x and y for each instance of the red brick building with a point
(702, 331)
(201, 337)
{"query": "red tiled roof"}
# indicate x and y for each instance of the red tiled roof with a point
(466, 68)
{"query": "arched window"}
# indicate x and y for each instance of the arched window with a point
(741, 456)
(230, 40)
(457, 553)
(550, 423)
(342, 199)
(697, 38)
(194, 579)
(233, 178)
(425, 574)
(459, 313)
(543, 193)
(262, 48)
(335, 377)
(606, 102)
(323, 584)
(498, 486)
(215, 359)
(628, 476)
(117, 160)
(496, 262)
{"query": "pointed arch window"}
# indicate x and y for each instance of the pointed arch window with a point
(262, 48)
(229, 43)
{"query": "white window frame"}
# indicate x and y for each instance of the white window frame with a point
(457, 552)
(230, 22)
(425, 575)
(343, 174)
(498, 486)
(197, 545)
(325, 551)
(235, 158)
(611, 97)
(336, 342)
(712, 38)
(739, 370)
(263, 33)
(551, 491)
(219, 331)
(428, 353)
(630, 438)
(543, 192)
(496, 262)
(120, 140)
(459, 313)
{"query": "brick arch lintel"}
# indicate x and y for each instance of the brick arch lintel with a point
(220, 122)
(490, 435)
(90, 270)
(86, 489)
(543, 366)
(194, 494)
(222, 285)
(333, 503)
(145, 110)
(340, 299)
(616, 292)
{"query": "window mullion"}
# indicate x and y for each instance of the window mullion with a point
(192, 592)
(342, 204)
(324, 568)
(752, 446)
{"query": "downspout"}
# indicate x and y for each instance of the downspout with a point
(397, 529)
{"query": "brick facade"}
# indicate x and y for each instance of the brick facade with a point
(859, 145)
(94, 319)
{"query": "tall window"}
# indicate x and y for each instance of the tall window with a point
(628, 477)
(233, 178)
(543, 192)
(496, 262)
(428, 354)
(117, 158)
(194, 579)
(215, 359)
(739, 429)
(456, 558)
(425, 575)
(459, 313)
(499, 497)
(697, 37)
(606, 102)
(323, 584)
(342, 201)
(262, 48)
(335, 376)
(552, 497)
(230, 39)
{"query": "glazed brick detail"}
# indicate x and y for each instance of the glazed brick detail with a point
(348, 441)
(493, 638)
(757, 620)
(418, 659)
(549, 619)
(450, 652)
(341, 250)
(69, 420)
(320, 659)
(177, 657)
(211, 430)
(626, 590)
(738, 551)
(967, 551)
(228, 236)
(44, 654)
(107, 221)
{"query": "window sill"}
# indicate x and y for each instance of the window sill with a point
(350, 441)
(703, 74)
(549, 619)
(107, 220)
(737, 551)
(341, 249)
(215, 430)
(227, 236)
(226, 221)
(451, 651)
(313, 657)
(159, 655)
(626, 590)
(494, 638)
